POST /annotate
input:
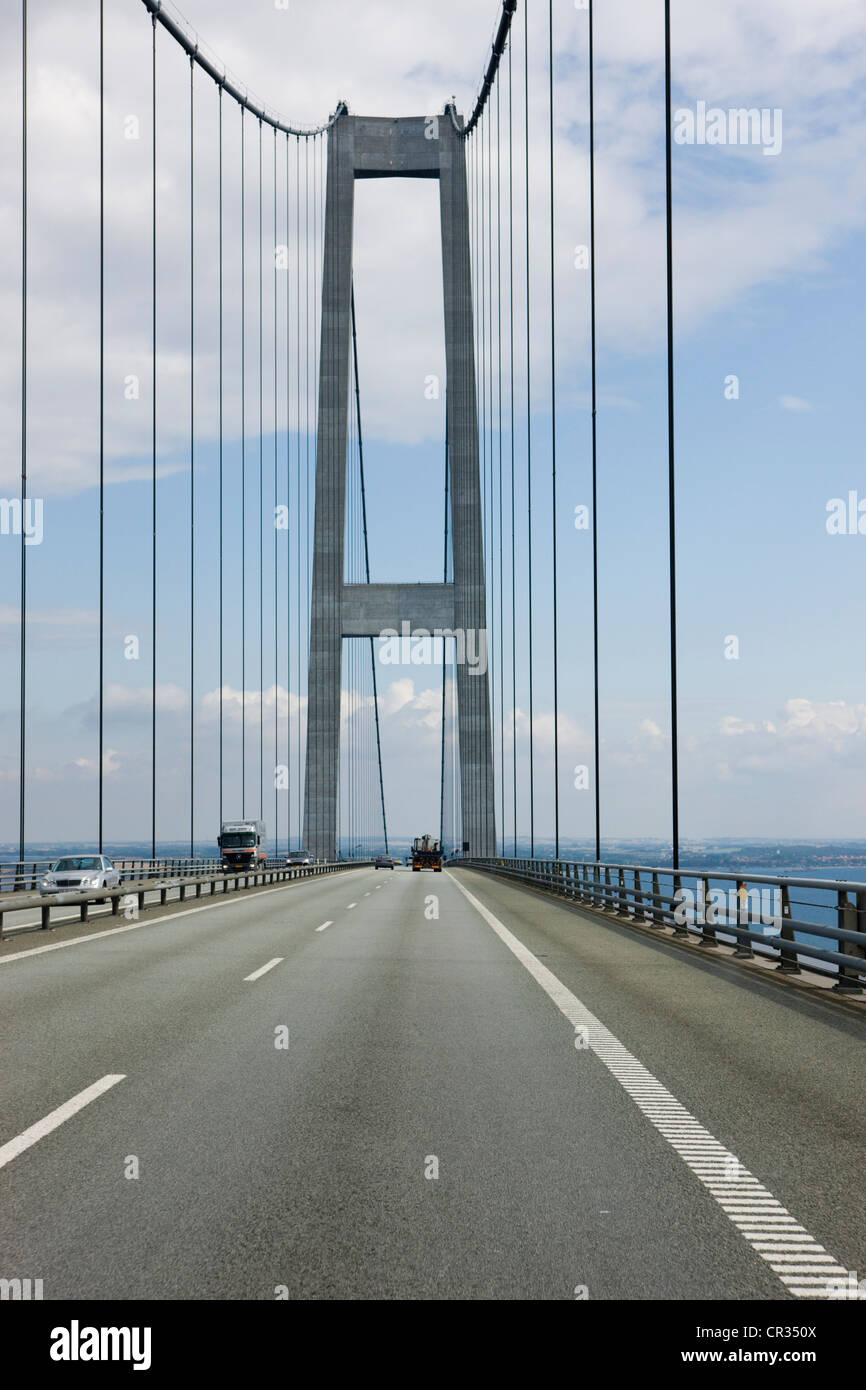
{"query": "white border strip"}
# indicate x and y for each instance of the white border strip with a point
(146, 921)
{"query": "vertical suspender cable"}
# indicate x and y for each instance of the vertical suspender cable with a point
(22, 734)
(101, 716)
(490, 792)
(261, 507)
(553, 440)
(153, 445)
(472, 799)
(276, 547)
(298, 590)
(528, 433)
(288, 532)
(511, 433)
(367, 560)
(307, 547)
(675, 813)
(444, 640)
(593, 354)
(243, 481)
(307, 382)
(191, 459)
(499, 468)
(220, 199)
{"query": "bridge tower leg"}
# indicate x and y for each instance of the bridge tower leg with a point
(410, 147)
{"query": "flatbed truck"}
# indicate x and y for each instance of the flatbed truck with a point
(426, 854)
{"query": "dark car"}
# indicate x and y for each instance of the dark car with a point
(384, 861)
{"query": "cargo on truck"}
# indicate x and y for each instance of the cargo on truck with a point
(426, 854)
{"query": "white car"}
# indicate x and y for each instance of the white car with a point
(80, 873)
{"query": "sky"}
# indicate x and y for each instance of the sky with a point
(768, 289)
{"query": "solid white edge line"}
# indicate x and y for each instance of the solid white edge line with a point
(154, 921)
(263, 970)
(57, 1117)
(634, 1079)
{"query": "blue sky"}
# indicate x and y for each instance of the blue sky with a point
(769, 286)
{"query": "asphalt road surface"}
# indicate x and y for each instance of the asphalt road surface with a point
(397, 1085)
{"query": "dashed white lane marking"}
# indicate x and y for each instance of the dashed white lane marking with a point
(802, 1265)
(263, 970)
(366, 895)
(324, 925)
(227, 901)
(57, 1117)
(351, 905)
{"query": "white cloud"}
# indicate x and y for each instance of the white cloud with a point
(110, 762)
(744, 221)
(795, 403)
(650, 728)
(240, 706)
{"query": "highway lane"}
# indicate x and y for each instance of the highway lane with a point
(415, 1043)
(63, 913)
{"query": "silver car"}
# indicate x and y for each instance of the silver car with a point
(80, 873)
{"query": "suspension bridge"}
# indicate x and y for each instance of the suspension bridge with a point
(536, 1075)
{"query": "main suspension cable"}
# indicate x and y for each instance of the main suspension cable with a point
(498, 47)
(158, 14)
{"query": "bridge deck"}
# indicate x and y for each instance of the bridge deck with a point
(409, 1038)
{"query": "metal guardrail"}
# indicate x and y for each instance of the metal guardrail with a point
(130, 897)
(758, 914)
(23, 876)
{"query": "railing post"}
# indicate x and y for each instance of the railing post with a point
(638, 904)
(680, 928)
(46, 916)
(657, 917)
(622, 898)
(708, 932)
(788, 962)
(744, 945)
(849, 918)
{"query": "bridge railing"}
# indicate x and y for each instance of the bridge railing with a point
(130, 898)
(810, 924)
(24, 876)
